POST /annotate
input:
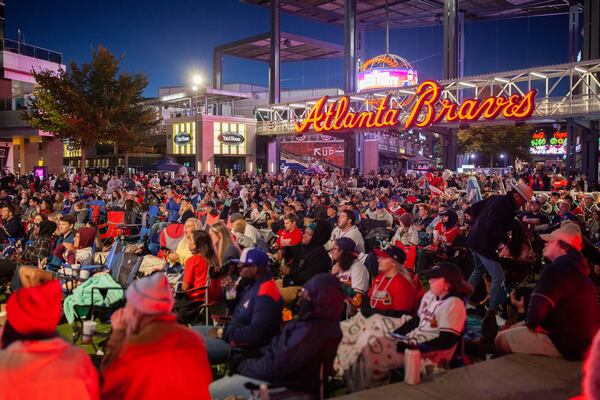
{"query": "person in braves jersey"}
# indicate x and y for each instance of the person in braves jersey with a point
(257, 315)
(441, 316)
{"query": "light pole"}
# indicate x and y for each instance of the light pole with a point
(197, 80)
(503, 156)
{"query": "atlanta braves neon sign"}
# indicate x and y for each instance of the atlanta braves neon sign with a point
(427, 110)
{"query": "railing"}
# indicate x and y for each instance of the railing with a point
(31, 51)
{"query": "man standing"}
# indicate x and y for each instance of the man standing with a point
(150, 355)
(563, 314)
(493, 219)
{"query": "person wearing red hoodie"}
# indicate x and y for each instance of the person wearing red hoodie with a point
(149, 355)
(35, 363)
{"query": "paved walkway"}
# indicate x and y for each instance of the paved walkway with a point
(514, 377)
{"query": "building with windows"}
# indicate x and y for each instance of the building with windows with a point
(23, 147)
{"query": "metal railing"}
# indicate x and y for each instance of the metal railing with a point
(563, 91)
(31, 51)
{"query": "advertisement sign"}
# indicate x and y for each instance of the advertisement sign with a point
(182, 138)
(314, 153)
(546, 143)
(386, 78)
(40, 172)
(231, 138)
(428, 108)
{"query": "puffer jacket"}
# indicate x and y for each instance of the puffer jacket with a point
(294, 357)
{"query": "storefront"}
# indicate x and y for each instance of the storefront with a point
(224, 145)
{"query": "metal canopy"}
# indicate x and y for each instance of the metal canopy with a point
(410, 13)
(293, 48)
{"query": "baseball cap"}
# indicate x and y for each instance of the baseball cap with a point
(391, 252)
(567, 235)
(452, 274)
(381, 204)
(253, 256)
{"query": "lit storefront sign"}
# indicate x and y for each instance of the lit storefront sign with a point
(548, 143)
(229, 139)
(184, 138)
(71, 149)
(427, 110)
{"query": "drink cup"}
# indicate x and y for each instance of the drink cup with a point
(89, 327)
(84, 274)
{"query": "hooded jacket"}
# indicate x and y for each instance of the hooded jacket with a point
(493, 219)
(308, 260)
(564, 302)
(294, 357)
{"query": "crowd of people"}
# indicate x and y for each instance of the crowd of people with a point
(294, 282)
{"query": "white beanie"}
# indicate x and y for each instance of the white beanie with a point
(151, 295)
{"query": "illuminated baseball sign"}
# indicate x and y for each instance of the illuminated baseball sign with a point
(427, 109)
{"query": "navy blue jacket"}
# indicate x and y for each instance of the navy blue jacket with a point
(294, 357)
(493, 220)
(257, 315)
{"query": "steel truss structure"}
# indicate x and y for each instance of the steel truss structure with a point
(565, 91)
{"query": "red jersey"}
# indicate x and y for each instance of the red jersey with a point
(395, 293)
(446, 235)
(291, 238)
(195, 274)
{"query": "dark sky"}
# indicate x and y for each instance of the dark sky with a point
(168, 39)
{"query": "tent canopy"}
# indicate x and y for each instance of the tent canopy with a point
(164, 164)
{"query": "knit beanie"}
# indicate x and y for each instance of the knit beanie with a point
(151, 295)
(35, 310)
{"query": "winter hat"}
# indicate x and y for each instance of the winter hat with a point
(35, 310)
(346, 244)
(151, 295)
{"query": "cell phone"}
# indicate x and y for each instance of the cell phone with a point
(399, 336)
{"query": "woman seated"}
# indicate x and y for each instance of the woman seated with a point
(303, 261)
(81, 251)
(435, 330)
(195, 277)
(407, 234)
(444, 234)
(186, 211)
(395, 291)
(352, 274)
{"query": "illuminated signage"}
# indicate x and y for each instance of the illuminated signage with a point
(182, 138)
(427, 109)
(336, 116)
(231, 138)
(386, 78)
(548, 143)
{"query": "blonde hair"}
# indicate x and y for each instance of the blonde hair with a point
(196, 222)
(226, 241)
(239, 226)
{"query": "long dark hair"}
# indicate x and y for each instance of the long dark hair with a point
(346, 260)
(517, 238)
(204, 247)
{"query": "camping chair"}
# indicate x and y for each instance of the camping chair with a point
(123, 273)
(115, 227)
(201, 306)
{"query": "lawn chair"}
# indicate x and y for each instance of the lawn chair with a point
(123, 273)
(201, 306)
(115, 227)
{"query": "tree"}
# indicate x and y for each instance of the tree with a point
(92, 104)
(512, 140)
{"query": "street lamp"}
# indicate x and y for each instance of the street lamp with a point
(197, 79)
(503, 156)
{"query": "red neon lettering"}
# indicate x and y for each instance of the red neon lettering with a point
(337, 116)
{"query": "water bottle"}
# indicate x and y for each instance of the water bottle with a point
(412, 364)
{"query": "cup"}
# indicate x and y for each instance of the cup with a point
(84, 274)
(2, 318)
(89, 327)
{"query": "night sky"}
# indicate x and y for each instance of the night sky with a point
(168, 39)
